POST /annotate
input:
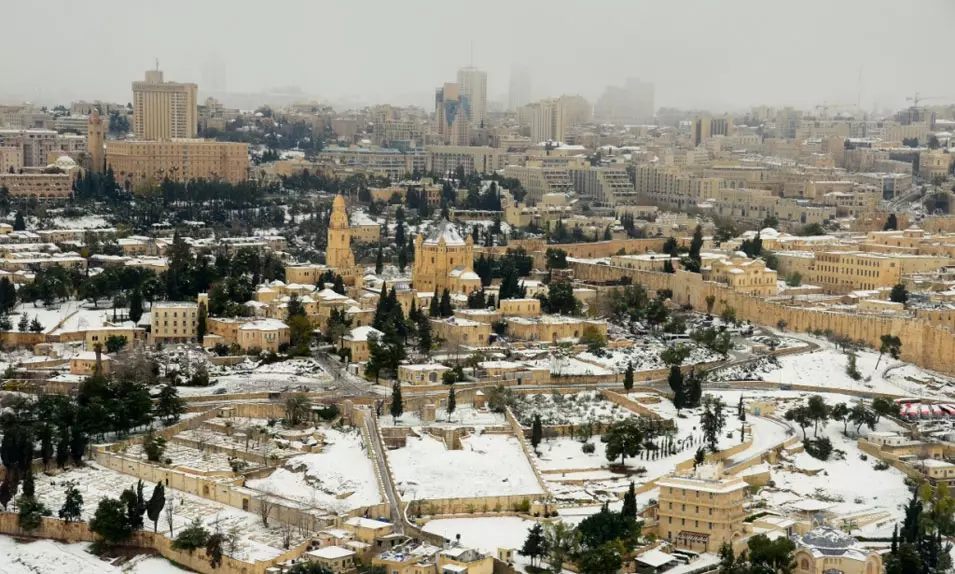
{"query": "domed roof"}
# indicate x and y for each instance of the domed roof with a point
(444, 231)
(65, 162)
(828, 538)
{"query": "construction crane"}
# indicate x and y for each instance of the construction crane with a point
(918, 98)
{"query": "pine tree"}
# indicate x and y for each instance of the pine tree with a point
(156, 503)
(135, 306)
(72, 507)
(452, 403)
(402, 258)
(435, 308)
(379, 261)
(675, 379)
(628, 377)
(537, 431)
(535, 545)
(24, 323)
(397, 405)
(29, 489)
(424, 334)
(445, 310)
(18, 222)
(629, 509)
(201, 323)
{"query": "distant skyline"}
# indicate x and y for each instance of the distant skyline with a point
(700, 54)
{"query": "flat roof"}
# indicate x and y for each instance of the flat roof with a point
(332, 553)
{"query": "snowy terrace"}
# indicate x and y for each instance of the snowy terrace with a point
(252, 377)
(463, 416)
(826, 369)
(257, 542)
(25, 556)
(341, 478)
(486, 465)
(645, 356)
(576, 409)
(193, 460)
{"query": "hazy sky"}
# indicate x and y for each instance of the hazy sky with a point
(699, 53)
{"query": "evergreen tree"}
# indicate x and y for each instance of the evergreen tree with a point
(535, 545)
(435, 308)
(537, 431)
(24, 323)
(156, 503)
(397, 405)
(18, 222)
(35, 325)
(675, 380)
(29, 489)
(452, 403)
(201, 323)
(379, 261)
(72, 507)
(170, 405)
(111, 521)
(136, 306)
(630, 503)
(628, 377)
(445, 309)
(424, 334)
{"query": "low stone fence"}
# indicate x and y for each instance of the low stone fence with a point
(52, 528)
(528, 454)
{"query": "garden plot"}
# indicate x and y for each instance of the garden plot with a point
(576, 409)
(646, 357)
(486, 465)
(34, 556)
(257, 542)
(262, 444)
(341, 478)
(461, 417)
(193, 459)
(838, 481)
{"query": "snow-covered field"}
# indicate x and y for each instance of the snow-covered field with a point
(826, 369)
(486, 534)
(461, 417)
(339, 479)
(486, 465)
(50, 557)
(646, 357)
(558, 409)
(94, 482)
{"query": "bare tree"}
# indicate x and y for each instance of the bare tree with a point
(265, 508)
(170, 504)
(287, 530)
(232, 540)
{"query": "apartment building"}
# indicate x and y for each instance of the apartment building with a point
(164, 110)
(844, 271)
(474, 159)
(178, 159)
(546, 121)
(540, 177)
(38, 185)
(173, 322)
(701, 511)
(11, 159)
(388, 132)
(389, 162)
(36, 145)
(607, 186)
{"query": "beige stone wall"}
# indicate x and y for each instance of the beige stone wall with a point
(924, 344)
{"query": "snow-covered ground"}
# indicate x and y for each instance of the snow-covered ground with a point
(646, 356)
(461, 417)
(558, 409)
(569, 366)
(486, 534)
(51, 557)
(251, 377)
(339, 479)
(49, 317)
(826, 369)
(486, 465)
(257, 542)
(83, 222)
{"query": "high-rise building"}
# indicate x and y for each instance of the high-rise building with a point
(705, 127)
(473, 85)
(95, 142)
(546, 121)
(164, 110)
(631, 103)
(452, 115)
(519, 93)
(576, 110)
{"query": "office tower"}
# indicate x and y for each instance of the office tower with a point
(452, 115)
(631, 103)
(546, 121)
(473, 85)
(520, 89)
(164, 110)
(705, 127)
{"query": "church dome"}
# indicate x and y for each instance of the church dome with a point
(65, 163)
(828, 538)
